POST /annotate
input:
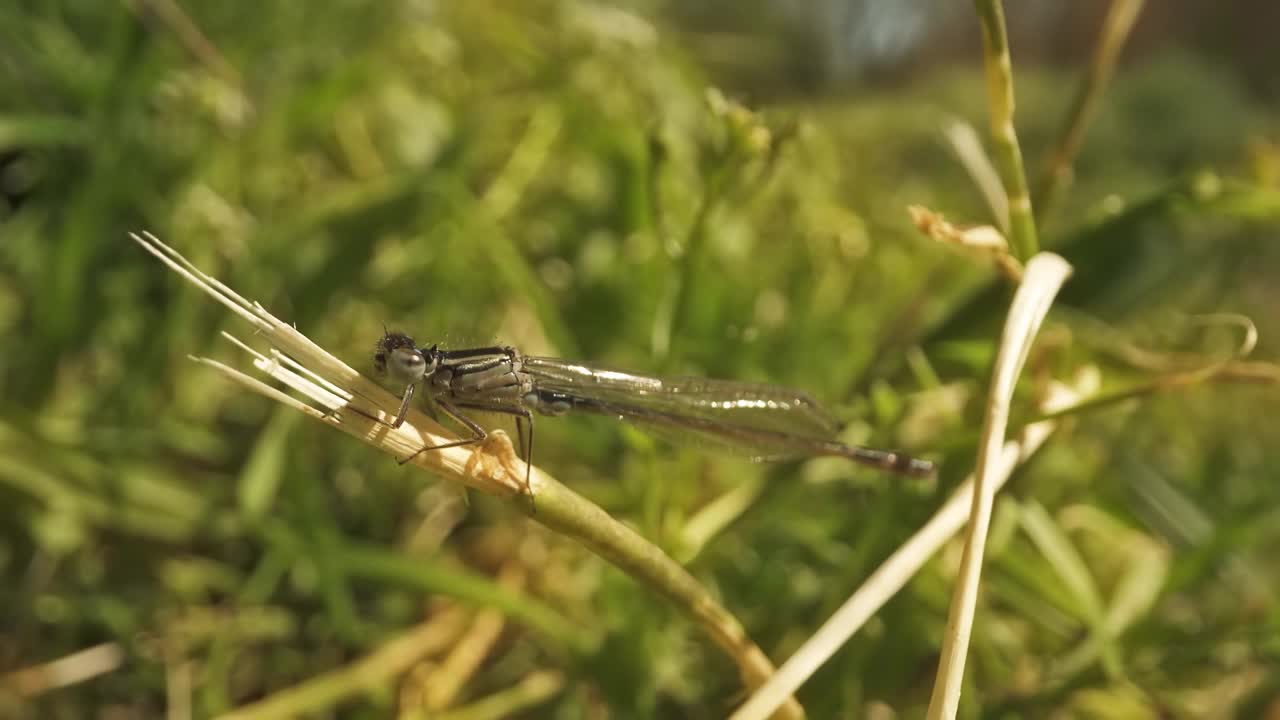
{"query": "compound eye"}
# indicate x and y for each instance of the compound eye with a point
(407, 365)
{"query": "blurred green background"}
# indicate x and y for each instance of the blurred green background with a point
(563, 177)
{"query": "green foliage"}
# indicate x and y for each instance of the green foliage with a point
(556, 175)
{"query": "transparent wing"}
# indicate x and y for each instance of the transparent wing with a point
(758, 421)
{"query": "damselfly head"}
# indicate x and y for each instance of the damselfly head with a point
(398, 357)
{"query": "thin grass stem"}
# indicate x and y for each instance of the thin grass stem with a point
(1058, 172)
(360, 407)
(999, 67)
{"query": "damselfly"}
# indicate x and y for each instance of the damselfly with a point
(762, 422)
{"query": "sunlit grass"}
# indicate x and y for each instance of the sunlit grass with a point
(558, 177)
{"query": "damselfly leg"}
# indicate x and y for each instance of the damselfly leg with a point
(524, 424)
(478, 434)
(524, 432)
(404, 406)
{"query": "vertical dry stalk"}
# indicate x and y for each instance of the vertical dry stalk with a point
(894, 573)
(1044, 276)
